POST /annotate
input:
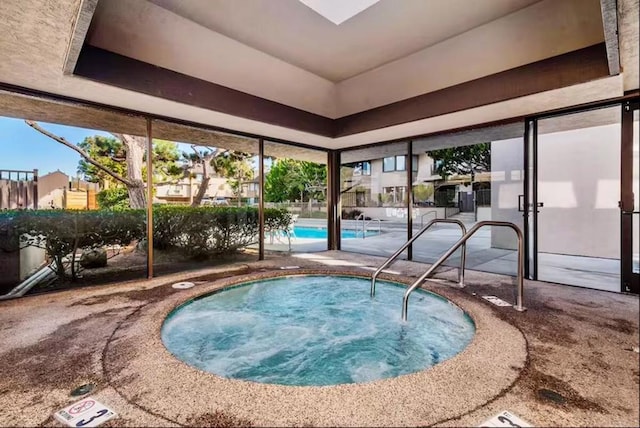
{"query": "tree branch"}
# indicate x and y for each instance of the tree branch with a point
(82, 153)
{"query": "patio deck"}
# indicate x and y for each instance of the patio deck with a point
(576, 342)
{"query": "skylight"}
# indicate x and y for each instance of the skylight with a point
(338, 11)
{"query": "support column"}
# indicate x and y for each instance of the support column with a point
(261, 199)
(409, 206)
(149, 200)
(333, 200)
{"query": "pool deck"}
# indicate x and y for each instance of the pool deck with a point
(576, 342)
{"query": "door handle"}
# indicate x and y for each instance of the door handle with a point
(521, 204)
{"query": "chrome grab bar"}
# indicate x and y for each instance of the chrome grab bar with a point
(365, 223)
(364, 227)
(413, 238)
(427, 213)
(520, 280)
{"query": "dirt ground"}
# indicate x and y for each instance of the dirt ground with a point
(581, 368)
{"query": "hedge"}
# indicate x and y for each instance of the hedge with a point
(198, 232)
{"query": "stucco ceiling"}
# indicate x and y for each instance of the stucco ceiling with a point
(285, 52)
(36, 38)
(384, 32)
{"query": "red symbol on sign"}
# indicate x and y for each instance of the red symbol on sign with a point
(82, 406)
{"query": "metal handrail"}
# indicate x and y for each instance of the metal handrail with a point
(413, 238)
(520, 280)
(365, 223)
(427, 213)
(360, 217)
(364, 227)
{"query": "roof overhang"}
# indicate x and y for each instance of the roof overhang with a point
(509, 59)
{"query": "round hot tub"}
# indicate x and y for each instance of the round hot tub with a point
(315, 330)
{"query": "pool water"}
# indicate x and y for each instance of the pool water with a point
(315, 330)
(321, 233)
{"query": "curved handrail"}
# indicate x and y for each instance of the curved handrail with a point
(364, 227)
(427, 213)
(520, 280)
(413, 238)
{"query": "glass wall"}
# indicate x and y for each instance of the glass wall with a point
(374, 192)
(636, 192)
(72, 199)
(578, 189)
(469, 176)
(295, 195)
(205, 198)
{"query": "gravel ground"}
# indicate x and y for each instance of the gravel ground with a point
(575, 342)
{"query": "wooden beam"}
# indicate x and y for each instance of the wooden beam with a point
(610, 27)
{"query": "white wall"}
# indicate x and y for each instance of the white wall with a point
(506, 184)
(484, 214)
(579, 184)
(391, 213)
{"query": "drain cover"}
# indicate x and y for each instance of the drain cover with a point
(182, 285)
(82, 390)
(551, 396)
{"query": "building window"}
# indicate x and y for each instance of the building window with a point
(396, 163)
(389, 164)
(394, 194)
(361, 168)
(414, 166)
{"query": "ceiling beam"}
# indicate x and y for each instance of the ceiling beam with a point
(564, 70)
(609, 10)
(86, 9)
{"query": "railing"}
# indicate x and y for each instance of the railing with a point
(365, 223)
(520, 280)
(410, 241)
(427, 213)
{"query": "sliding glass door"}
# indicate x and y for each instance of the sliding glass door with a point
(580, 202)
(630, 198)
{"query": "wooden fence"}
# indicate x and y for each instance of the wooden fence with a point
(18, 189)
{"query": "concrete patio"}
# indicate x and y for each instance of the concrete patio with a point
(589, 272)
(579, 344)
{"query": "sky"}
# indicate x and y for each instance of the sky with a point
(23, 148)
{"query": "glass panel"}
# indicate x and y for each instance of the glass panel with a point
(389, 164)
(206, 202)
(63, 221)
(401, 163)
(636, 194)
(470, 176)
(578, 192)
(295, 194)
(528, 210)
(374, 213)
(366, 168)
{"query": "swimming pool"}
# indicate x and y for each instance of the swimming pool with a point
(315, 330)
(308, 232)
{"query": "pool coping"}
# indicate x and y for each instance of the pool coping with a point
(138, 365)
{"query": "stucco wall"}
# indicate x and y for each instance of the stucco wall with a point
(506, 184)
(579, 184)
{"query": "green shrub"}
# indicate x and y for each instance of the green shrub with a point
(198, 232)
(113, 198)
(63, 232)
(204, 231)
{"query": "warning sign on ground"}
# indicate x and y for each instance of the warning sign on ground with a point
(85, 413)
(496, 301)
(505, 419)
